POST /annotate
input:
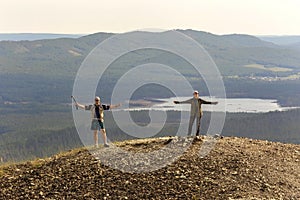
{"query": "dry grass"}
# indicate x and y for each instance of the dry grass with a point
(273, 69)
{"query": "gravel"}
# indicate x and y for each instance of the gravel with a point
(236, 168)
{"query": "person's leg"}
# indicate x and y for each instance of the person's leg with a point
(192, 119)
(104, 138)
(96, 138)
(103, 133)
(95, 128)
(198, 125)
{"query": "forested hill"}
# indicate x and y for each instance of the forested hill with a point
(63, 56)
(45, 69)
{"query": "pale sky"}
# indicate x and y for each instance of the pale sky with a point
(255, 17)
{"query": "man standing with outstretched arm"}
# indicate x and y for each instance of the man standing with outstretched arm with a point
(98, 118)
(196, 110)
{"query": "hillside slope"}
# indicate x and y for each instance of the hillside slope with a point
(236, 168)
(63, 56)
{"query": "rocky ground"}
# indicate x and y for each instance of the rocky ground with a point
(235, 168)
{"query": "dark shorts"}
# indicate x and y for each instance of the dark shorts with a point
(97, 125)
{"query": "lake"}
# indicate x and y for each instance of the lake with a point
(233, 105)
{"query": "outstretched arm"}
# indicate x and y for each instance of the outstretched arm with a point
(189, 101)
(80, 105)
(115, 106)
(208, 102)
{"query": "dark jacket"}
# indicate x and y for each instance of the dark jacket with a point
(195, 105)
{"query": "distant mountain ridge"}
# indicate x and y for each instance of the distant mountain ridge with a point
(35, 36)
(230, 51)
(278, 40)
(282, 40)
(237, 40)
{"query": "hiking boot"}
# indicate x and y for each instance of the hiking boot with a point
(106, 145)
(196, 138)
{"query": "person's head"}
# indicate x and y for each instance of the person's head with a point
(196, 93)
(97, 100)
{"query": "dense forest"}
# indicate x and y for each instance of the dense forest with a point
(58, 134)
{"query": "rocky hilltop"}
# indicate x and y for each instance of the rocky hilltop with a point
(236, 168)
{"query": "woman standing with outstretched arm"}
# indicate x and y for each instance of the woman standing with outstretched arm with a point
(97, 110)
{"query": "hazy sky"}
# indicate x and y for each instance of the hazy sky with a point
(257, 17)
